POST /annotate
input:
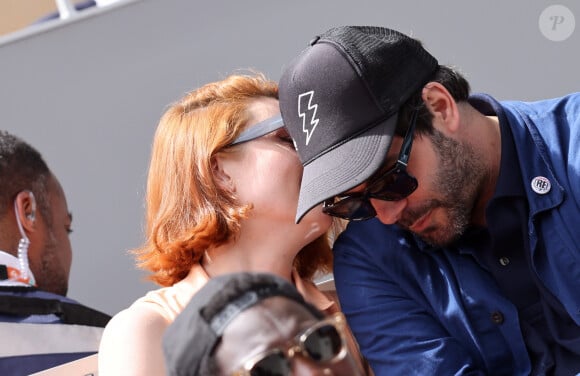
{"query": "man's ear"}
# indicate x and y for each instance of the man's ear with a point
(25, 209)
(219, 167)
(442, 106)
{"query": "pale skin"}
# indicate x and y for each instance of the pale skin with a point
(268, 175)
(459, 122)
(265, 172)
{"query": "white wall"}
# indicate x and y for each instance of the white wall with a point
(88, 93)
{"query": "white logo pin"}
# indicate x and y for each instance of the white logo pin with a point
(541, 185)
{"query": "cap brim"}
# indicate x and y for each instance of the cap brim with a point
(345, 166)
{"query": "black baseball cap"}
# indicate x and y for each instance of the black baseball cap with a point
(339, 100)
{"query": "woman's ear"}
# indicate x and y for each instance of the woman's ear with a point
(219, 168)
(442, 106)
(25, 210)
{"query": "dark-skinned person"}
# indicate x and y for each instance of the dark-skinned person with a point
(256, 324)
(41, 327)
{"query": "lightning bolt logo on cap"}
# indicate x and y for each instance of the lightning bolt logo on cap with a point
(307, 111)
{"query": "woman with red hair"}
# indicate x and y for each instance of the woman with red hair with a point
(222, 193)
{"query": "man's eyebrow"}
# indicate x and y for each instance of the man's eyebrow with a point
(70, 216)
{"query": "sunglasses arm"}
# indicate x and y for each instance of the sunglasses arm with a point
(408, 141)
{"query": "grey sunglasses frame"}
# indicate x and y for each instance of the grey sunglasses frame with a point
(260, 129)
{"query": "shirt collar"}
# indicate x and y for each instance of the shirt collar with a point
(509, 181)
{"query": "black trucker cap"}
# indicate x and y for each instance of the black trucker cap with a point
(339, 100)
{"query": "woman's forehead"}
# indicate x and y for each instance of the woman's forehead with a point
(262, 108)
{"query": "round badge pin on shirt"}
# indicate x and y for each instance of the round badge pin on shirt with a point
(541, 185)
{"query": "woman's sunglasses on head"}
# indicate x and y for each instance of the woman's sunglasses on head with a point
(259, 129)
(323, 343)
(393, 185)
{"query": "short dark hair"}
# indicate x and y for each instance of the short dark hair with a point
(447, 76)
(22, 168)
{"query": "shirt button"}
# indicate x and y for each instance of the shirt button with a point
(497, 317)
(504, 261)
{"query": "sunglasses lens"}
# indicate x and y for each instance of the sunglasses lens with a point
(393, 187)
(275, 364)
(323, 344)
(351, 208)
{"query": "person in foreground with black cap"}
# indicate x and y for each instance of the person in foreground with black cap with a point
(256, 324)
(472, 265)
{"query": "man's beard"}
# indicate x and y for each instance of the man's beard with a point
(52, 277)
(458, 181)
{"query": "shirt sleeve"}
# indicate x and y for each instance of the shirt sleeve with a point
(398, 332)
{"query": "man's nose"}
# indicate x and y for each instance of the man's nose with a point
(389, 212)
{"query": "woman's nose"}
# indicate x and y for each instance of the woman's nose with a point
(389, 212)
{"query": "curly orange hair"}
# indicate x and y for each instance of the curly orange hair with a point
(187, 212)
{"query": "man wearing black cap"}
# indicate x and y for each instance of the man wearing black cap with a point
(472, 265)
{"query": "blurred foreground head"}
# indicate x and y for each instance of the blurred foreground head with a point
(255, 324)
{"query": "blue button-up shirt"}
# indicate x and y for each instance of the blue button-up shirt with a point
(420, 310)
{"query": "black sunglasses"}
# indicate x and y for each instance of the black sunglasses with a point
(259, 129)
(393, 185)
(323, 342)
